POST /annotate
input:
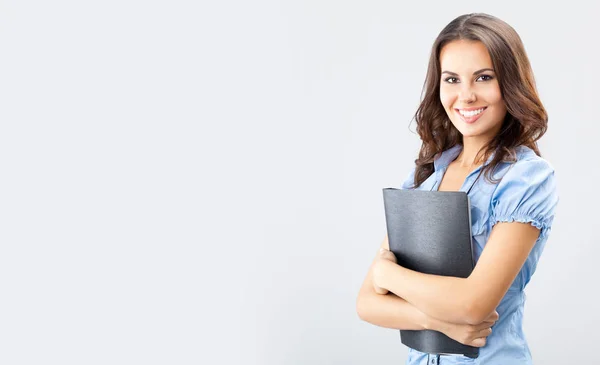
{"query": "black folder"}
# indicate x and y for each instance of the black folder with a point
(430, 232)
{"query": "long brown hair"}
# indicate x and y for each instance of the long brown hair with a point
(526, 119)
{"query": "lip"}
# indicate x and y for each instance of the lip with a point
(473, 119)
(470, 109)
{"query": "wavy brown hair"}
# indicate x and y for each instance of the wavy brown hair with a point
(526, 119)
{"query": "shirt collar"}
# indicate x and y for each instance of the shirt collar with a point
(444, 158)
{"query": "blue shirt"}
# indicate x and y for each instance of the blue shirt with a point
(527, 193)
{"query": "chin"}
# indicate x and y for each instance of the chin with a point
(470, 133)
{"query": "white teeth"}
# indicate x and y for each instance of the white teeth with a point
(470, 113)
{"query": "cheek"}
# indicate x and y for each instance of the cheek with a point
(492, 95)
(447, 98)
(494, 98)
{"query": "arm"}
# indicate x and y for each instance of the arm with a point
(469, 299)
(389, 310)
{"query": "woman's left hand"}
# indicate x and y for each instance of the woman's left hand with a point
(384, 255)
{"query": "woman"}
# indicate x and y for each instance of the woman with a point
(479, 121)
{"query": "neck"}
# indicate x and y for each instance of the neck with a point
(468, 156)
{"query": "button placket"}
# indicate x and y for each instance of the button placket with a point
(433, 359)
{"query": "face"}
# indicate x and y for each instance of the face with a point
(469, 89)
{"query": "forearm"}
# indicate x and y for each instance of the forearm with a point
(390, 311)
(443, 297)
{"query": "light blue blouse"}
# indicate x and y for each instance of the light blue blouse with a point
(527, 193)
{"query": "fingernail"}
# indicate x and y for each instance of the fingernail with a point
(381, 250)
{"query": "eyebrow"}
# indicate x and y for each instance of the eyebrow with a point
(474, 73)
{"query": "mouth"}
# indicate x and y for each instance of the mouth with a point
(470, 115)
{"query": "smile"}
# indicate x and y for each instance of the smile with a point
(470, 116)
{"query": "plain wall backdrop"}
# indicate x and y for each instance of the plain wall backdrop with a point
(201, 182)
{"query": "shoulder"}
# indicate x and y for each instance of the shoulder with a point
(409, 180)
(527, 189)
(527, 167)
(527, 156)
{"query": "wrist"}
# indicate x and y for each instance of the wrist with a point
(430, 323)
(379, 274)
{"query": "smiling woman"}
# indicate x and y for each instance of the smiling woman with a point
(480, 116)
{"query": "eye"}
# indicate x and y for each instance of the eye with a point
(451, 80)
(486, 77)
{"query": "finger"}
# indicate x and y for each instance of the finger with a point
(386, 253)
(490, 320)
(485, 333)
(379, 290)
(482, 326)
(478, 342)
(388, 256)
(493, 316)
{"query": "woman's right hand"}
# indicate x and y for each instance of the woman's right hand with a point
(467, 334)
(384, 254)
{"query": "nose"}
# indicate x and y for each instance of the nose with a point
(466, 95)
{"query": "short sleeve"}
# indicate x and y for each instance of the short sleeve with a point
(527, 193)
(409, 182)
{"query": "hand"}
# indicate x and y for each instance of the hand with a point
(467, 334)
(383, 255)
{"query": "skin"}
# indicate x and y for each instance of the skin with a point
(470, 303)
(464, 86)
(382, 308)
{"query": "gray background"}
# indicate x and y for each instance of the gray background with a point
(200, 183)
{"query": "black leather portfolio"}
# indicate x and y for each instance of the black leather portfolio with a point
(430, 232)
